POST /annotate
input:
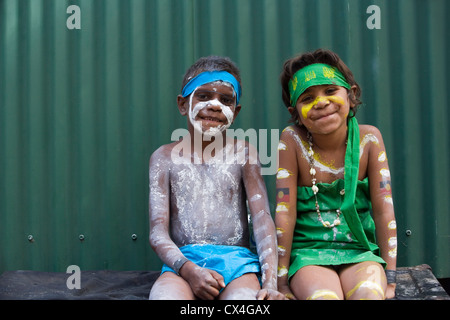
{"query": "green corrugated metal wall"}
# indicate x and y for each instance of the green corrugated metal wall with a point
(81, 111)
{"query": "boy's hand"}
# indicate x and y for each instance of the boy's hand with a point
(205, 283)
(270, 294)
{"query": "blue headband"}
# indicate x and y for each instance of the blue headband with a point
(211, 76)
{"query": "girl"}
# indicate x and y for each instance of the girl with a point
(332, 173)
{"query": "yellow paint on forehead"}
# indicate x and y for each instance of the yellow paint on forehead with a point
(307, 107)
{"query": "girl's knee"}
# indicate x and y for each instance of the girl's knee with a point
(366, 290)
(365, 280)
(323, 294)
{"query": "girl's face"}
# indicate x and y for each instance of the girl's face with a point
(324, 108)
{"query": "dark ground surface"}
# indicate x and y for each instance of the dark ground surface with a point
(413, 283)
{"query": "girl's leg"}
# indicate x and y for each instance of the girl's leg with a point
(316, 283)
(363, 281)
(170, 286)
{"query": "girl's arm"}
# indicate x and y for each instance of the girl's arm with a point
(286, 199)
(382, 202)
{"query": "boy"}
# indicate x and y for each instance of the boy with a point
(197, 201)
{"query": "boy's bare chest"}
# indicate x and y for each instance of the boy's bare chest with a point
(209, 178)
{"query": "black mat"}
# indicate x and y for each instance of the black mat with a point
(97, 285)
(413, 283)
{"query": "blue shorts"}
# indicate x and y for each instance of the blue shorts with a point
(230, 261)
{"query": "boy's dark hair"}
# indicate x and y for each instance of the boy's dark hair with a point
(211, 63)
(294, 64)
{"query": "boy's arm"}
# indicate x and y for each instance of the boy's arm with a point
(204, 283)
(159, 211)
(286, 210)
(382, 202)
(263, 225)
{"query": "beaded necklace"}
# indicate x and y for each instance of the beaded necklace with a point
(315, 188)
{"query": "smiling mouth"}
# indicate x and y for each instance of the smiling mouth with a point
(210, 119)
(322, 116)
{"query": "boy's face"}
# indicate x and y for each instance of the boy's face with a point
(211, 107)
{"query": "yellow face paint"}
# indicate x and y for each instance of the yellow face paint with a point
(309, 106)
(324, 294)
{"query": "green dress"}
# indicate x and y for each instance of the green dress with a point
(353, 240)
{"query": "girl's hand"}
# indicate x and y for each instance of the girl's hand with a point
(390, 290)
(286, 291)
(270, 294)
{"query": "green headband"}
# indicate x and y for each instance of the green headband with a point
(314, 75)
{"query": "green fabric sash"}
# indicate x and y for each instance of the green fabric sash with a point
(350, 182)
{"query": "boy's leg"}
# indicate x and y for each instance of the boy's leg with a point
(316, 283)
(170, 286)
(243, 288)
(364, 280)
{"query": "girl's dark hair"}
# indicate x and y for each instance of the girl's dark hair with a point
(294, 64)
(211, 63)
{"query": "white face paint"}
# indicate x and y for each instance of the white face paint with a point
(197, 124)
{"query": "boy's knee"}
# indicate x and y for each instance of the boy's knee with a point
(171, 287)
(239, 294)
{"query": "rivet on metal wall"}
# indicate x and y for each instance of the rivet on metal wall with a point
(408, 232)
(81, 237)
(134, 236)
(30, 238)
